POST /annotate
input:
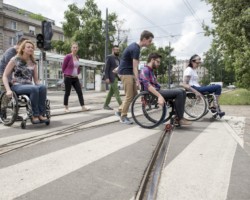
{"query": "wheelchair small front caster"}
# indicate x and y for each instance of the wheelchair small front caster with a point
(23, 125)
(47, 122)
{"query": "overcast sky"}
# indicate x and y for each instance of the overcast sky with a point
(174, 21)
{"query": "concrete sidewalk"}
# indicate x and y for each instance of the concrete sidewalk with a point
(93, 99)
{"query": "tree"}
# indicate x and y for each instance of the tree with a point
(232, 36)
(215, 64)
(86, 27)
(162, 71)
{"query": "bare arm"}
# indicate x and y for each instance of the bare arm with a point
(36, 80)
(8, 70)
(135, 70)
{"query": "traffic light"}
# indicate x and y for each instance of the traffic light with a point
(40, 41)
(47, 33)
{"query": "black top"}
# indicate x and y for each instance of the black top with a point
(112, 62)
(130, 53)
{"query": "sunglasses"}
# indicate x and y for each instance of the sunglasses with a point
(197, 61)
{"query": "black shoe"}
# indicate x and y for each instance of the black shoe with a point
(213, 109)
(221, 114)
(107, 108)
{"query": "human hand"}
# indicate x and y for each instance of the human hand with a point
(107, 81)
(9, 93)
(161, 101)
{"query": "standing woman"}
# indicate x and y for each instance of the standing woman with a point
(70, 69)
(190, 82)
(24, 70)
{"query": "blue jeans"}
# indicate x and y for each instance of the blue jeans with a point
(216, 89)
(37, 95)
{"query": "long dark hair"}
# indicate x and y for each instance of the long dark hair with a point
(194, 57)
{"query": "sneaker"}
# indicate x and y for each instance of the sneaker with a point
(221, 114)
(118, 114)
(107, 108)
(84, 108)
(125, 120)
(66, 110)
(184, 122)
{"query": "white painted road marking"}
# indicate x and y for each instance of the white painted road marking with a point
(24, 177)
(202, 170)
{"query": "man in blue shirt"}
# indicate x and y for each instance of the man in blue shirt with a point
(128, 72)
(150, 83)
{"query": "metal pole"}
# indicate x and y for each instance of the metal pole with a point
(106, 39)
(169, 75)
(41, 69)
(106, 34)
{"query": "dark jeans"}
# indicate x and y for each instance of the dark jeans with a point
(68, 82)
(216, 89)
(179, 96)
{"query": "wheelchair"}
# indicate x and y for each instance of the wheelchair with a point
(10, 109)
(198, 107)
(147, 113)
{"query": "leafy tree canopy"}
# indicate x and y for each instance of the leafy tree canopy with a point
(232, 37)
(86, 27)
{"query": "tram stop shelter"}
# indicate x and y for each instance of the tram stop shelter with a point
(50, 70)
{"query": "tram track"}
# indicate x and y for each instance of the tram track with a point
(149, 184)
(32, 140)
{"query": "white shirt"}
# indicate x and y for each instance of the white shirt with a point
(194, 80)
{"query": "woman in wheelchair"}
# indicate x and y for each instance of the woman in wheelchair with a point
(190, 83)
(24, 72)
(150, 83)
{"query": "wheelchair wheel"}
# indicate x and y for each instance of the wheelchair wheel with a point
(195, 108)
(9, 109)
(146, 112)
(23, 125)
(48, 109)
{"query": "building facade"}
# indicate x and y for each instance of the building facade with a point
(178, 70)
(16, 23)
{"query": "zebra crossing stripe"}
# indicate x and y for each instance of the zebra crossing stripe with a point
(24, 177)
(202, 170)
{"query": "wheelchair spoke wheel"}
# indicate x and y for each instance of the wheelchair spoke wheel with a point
(195, 108)
(9, 109)
(146, 111)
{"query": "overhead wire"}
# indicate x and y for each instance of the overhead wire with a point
(143, 16)
(189, 7)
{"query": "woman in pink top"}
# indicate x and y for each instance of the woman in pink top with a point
(70, 69)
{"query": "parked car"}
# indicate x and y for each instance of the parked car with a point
(231, 87)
